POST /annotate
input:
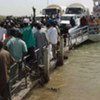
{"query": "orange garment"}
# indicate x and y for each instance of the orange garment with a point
(97, 20)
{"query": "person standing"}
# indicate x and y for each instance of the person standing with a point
(28, 38)
(16, 46)
(41, 41)
(52, 37)
(83, 21)
(6, 61)
(72, 22)
(2, 31)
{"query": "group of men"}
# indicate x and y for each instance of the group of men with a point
(24, 40)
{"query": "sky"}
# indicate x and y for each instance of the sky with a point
(24, 7)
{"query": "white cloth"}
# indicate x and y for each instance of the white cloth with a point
(50, 51)
(26, 20)
(52, 35)
(34, 30)
(43, 29)
(2, 31)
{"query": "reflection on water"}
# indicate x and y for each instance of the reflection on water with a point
(78, 79)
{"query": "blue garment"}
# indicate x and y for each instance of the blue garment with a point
(17, 48)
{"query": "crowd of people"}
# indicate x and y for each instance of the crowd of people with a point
(21, 37)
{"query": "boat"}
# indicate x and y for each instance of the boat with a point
(94, 37)
(94, 31)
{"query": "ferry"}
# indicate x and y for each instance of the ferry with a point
(94, 31)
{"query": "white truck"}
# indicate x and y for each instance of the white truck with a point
(53, 9)
(78, 9)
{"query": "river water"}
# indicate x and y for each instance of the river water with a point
(78, 79)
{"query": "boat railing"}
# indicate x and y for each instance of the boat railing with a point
(20, 71)
(78, 35)
(94, 29)
(79, 31)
